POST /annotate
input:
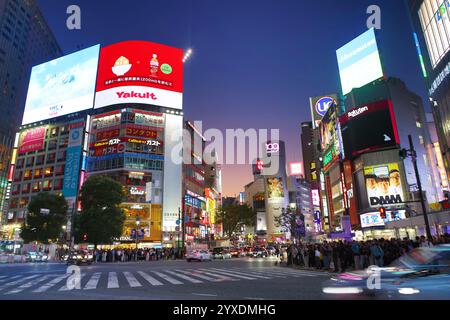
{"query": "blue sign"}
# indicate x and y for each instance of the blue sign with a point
(323, 104)
(71, 172)
(178, 222)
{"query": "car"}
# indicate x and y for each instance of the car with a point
(235, 252)
(221, 253)
(260, 253)
(420, 274)
(79, 257)
(198, 255)
(36, 257)
(226, 254)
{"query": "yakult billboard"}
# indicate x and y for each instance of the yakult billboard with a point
(140, 72)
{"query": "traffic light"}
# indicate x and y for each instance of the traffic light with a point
(403, 153)
(85, 237)
(382, 213)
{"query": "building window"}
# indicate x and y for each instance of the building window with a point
(63, 142)
(15, 189)
(36, 186)
(59, 170)
(61, 156)
(51, 158)
(418, 124)
(27, 175)
(19, 163)
(47, 185)
(58, 184)
(40, 159)
(29, 162)
(26, 188)
(53, 132)
(48, 171)
(17, 175)
(52, 145)
(38, 173)
(23, 202)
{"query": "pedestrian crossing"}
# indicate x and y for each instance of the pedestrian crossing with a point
(42, 283)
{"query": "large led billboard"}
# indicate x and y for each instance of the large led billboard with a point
(140, 72)
(62, 86)
(384, 185)
(359, 62)
(319, 106)
(368, 128)
(32, 140)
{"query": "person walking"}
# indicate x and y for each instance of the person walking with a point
(377, 253)
(356, 251)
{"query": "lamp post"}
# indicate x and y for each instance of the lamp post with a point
(138, 221)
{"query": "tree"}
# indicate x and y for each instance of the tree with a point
(291, 220)
(100, 219)
(234, 216)
(45, 227)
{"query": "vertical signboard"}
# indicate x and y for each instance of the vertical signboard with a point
(73, 159)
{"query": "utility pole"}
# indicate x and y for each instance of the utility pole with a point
(413, 155)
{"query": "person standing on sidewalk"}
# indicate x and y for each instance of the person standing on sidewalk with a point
(356, 250)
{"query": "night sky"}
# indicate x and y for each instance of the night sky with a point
(255, 62)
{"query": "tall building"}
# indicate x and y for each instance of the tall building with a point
(308, 150)
(25, 40)
(133, 134)
(431, 24)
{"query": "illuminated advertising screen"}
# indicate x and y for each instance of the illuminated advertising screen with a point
(359, 62)
(329, 137)
(62, 86)
(368, 128)
(140, 72)
(319, 106)
(434, 16)
(373, 219)
(32, 140)
(296, 169)
(383, 185)
(275, 188)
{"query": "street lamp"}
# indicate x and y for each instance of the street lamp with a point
(138, 221)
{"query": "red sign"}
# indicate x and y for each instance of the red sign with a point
(32, 140)
(107, 150)
(106, 135)
(126, 68)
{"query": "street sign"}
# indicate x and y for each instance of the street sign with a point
(45, 211)
(178, 222)
(177, 228)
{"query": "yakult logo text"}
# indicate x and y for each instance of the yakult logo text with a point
(357, 112)
(132, 94)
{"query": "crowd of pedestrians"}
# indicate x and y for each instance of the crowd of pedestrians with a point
(338, 256)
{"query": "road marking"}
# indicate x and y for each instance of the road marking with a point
(27, 285)
(245, 273)
(150, 279)
(65, 288)
(184, 277)
(200, 274)
(93, 281)
(6, 285)
(271, 274)
(132, 281)
(10, 278)
(52, 283)
(250, 298)
(167, 278)
(232, 274)
(113, 282)
(205, 294)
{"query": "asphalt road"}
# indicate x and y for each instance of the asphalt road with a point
(232, 279)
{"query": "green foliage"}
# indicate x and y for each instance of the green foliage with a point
(40, 227)
(234, 216)
(100, 219)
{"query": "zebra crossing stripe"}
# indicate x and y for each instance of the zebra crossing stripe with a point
(150, 279)
(50, 284)
(184, 277)
(201, 275)
(167, 278)
(271, 274)
(252, 274)
(220, 276)
(10, 278)
(132, 281)
(6, 285)
(28, 285)
(298, 273)
(229, 273)
(93, 281)
(65, 288)
(113, 282)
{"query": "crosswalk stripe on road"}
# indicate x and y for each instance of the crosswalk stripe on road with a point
(184, 277)
(113, 282)
(202, 275)
(28, 285)
(253, 275)
(167, 278)
(51, 284)
(9, 284)
(232, 274)
(65, 288)
(150, 279)
(132, 281)
(93, 281)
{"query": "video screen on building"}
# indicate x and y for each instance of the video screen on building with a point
(359, 62)
(275, 188)
(62, 86)
(140, 72)
(383, 185)
(368, 128)
(434, 19)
